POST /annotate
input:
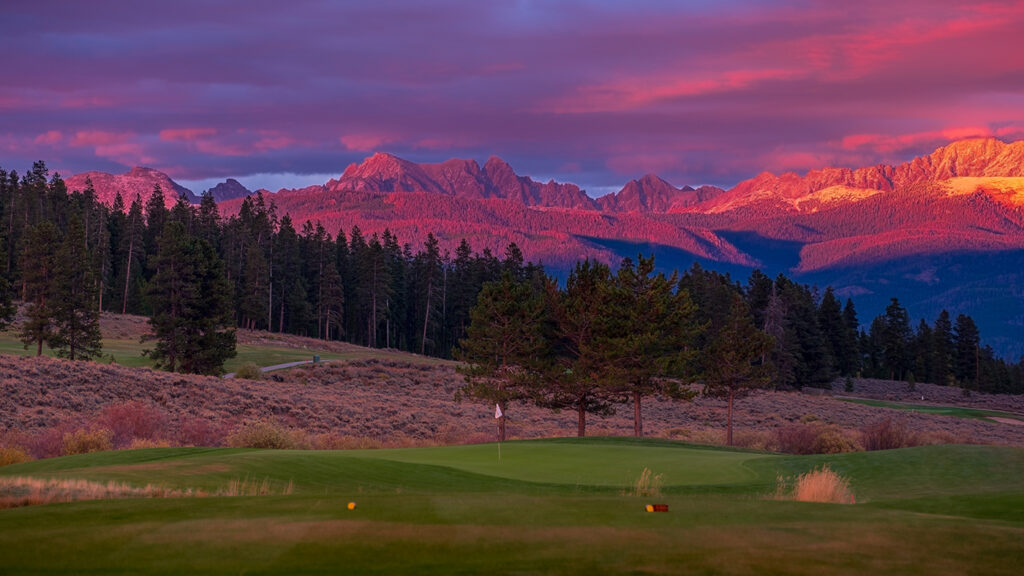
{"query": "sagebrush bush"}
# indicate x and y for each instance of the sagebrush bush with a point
(84, 441)
(134, 420)
(13, 455)
(887, 434)
(249, 371)
(262, 434)
(194, 431)
(796, 438)
(813, 438)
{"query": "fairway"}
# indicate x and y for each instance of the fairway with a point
(956, 411)
(546, 507)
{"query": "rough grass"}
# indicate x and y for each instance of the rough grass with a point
(547, 507)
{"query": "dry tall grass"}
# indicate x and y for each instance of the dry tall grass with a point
(26, 491)
(249, 487)
(648, 484)
(818, 485)
(19, 491)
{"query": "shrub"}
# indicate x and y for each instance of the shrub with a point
(832, 440)
(261, 434)
(818, 485)
(141, 443)
(13, 455)
(84, 441)
(796, 438)
(887, 434)
(134, 419)
(249, 371)
(194, 431)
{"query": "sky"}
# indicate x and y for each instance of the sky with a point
(596, 93)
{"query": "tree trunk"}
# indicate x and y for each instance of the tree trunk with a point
(581, 420)
(128, 273)
(426, 318)
(638, 419)
(728, 433)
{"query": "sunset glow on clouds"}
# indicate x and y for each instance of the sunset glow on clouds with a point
(589, 92)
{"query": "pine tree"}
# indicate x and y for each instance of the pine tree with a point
(38, 260)
(133, 256)
(573, 379)
(651, 330)
(504, 339)
(191, 302)
(733, 361)
(833, 328)
(74, 295)
(895, 337)
(942, 350)
(966, 344)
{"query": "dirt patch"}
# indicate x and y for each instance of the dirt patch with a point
(1013, 421)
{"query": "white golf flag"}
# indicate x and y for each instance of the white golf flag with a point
(497, 411)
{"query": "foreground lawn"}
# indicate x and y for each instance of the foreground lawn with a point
(546, 507)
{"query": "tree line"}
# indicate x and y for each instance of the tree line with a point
(607, 338)
(199, 275)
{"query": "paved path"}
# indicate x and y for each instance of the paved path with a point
(275, 367)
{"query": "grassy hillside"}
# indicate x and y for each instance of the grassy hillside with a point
(549, 506)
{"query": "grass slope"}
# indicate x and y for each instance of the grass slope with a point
(547, 507)
(955, 411)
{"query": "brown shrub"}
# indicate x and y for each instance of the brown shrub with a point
(833, 440)
(142, 443)
(13, 455)
(796, 438)
(249, 371)
(83, 441)
(648, 484)
(887, 434)
(263, 434)
(812, 438)
(134, 419)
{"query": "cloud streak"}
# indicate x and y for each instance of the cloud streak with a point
(591, 92)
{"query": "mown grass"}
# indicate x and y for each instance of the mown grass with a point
(973, 413)
(129, 353)
(547, 507)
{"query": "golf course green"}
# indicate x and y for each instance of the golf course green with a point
(558, 506)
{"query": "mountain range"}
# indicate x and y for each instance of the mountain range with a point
(915, 230)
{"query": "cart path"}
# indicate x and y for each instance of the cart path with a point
(276, 367)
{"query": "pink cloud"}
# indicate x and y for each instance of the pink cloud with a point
(49, 138)
(364, 142)
(888, 144)
(186, 134)
(629, 92)
(124, 147)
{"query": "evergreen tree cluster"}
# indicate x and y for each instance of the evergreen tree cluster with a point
(612, 338)
(947, 352)
(198, 275)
